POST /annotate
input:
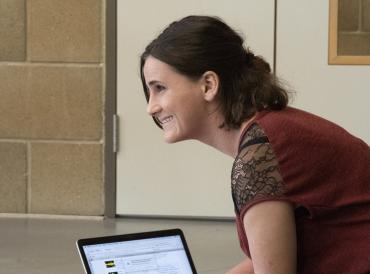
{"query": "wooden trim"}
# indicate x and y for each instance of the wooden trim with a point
(333, 31)
(349, 60)
(333, 57)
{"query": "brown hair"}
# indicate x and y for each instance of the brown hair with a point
(196, 44)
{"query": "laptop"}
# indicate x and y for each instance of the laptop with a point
(154, 252)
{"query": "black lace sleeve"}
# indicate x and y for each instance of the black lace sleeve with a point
(255, 172)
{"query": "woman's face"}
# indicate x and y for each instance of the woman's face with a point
(175, 101)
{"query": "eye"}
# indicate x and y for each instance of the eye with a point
(158, 87)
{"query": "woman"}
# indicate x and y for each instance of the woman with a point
(300, 184)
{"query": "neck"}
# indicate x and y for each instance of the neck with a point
(226, 141)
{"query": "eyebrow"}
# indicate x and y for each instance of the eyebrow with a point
(153, 82)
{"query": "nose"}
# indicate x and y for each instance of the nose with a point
(153, 107)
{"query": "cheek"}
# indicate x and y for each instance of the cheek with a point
(187, 104)
(193, 116)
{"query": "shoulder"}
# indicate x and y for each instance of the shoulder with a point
(255, 174)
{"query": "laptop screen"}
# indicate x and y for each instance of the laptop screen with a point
(161, 254)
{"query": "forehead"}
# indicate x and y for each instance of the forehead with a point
(153, 67)
(156, 70)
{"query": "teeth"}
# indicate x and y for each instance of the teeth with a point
(166, 120)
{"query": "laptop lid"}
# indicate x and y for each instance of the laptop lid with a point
(153, 252)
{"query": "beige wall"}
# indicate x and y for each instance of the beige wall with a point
(51, 106)
(338, 93)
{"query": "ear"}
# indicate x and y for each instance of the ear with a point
(210, 85)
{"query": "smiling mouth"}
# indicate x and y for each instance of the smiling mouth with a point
(166, 120)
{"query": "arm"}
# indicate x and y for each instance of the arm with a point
(245, 267)
(270, 228)
(270, 224)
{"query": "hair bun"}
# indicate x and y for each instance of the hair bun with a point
(255, 62)
(260, 64)
(248, 57)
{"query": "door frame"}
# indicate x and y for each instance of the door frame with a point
(110, 109)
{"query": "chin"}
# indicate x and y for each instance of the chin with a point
(172, 138)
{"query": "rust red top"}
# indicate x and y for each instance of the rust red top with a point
(325, 174)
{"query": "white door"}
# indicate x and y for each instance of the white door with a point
(340, 93)
(185, 179)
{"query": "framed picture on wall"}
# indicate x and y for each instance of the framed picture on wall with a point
(349, 32)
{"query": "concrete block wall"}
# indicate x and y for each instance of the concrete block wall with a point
(354, 27)
(52, 67)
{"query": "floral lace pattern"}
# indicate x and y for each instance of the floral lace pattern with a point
(255, 172)
(254, 132)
